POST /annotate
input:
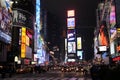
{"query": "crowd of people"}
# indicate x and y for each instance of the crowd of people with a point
(105, 72)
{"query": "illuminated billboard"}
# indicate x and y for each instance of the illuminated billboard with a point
(112, 48)
(5, 21)
(102, 48)
(80, 54)
(35, 57)
(23, 50)
(71, 60)
(29, 33)
(23, 42)
(112, 16)
(65, 44)
(71, 47)
(26, 61)
(71, 23)
(113, 34)
(103, 37)
(29, 37)
(28, 52)
(23, 37)
(71, 34)
(22, 18)
(79, 43)
(27, 41)
(70, 13)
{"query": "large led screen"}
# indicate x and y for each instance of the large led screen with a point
(71, 35)
(103, 37)
(35, 57)
(80, 54)
(102, 48)
(113, 33)
(79, 43)
(112, 47)
(5, 21)
(71, 47)
(70, 13)
(71, 23)
(112, 16)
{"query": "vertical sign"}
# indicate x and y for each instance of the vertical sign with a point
(71, 41)
(23, 42)
(79, 43)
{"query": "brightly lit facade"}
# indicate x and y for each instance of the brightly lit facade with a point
(73, 43)
(71, 36)
(40, 55)
(22, 35)
(107, 33)
(5, 28)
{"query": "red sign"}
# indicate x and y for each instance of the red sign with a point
(116, 58)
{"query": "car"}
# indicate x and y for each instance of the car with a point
(66, 69)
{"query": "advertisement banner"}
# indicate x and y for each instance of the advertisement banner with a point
(79, 43)
(22, 18)
(71, 47)
(71, 23)
(28, 52)
(5, 21)
(71, 34)
(71, 13)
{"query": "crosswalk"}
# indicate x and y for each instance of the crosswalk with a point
(45, 78)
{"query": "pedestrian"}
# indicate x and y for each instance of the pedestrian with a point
(94, 71)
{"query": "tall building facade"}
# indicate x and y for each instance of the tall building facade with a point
(41, 52)
(22, 33)
(107, 31)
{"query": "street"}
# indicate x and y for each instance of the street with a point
(50, 75)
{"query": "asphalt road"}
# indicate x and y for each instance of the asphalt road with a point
(50, 75)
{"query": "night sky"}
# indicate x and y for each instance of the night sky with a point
(84, 10)
(85, 15)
